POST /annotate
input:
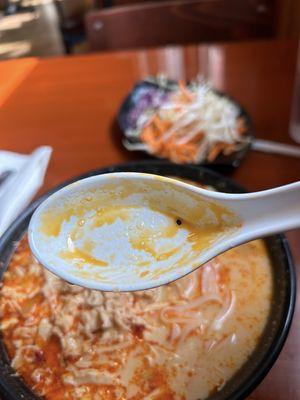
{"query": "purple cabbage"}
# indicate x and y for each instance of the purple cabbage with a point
(146, 99)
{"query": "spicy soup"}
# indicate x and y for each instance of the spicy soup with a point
(181, 341)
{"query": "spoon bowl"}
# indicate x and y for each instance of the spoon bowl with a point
(134, 231)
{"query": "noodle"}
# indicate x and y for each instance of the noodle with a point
(226, 311)
(209, 282)
(176, 332)
(187, 286)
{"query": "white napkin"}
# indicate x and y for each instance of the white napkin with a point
(26, 177)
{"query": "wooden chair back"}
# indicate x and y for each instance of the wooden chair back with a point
(176, 22)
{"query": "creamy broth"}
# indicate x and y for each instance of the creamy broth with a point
(181, 341)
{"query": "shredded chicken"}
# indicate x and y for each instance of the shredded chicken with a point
(90, 375)
(89, 311)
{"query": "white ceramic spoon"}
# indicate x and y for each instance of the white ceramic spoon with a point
(133, 231)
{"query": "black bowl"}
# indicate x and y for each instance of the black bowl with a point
(222, 162)
(283, 301)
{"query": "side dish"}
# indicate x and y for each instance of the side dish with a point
(186, 123)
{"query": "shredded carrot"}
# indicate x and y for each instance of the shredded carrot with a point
(153, 138)
(229, 149)
(197, 138)
(215, 151)
(184, 144)
(161, 125)
(182, 86)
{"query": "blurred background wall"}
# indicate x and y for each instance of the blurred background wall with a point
(56, 27)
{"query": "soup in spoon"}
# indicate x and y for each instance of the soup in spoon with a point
(126, 234)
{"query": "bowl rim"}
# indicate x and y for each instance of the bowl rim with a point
(17, 229)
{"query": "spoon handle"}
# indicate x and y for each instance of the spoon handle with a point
(269, 211)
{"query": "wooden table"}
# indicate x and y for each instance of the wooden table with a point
(71, 104)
